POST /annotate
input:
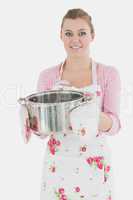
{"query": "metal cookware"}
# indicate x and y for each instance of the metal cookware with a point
(49, 110)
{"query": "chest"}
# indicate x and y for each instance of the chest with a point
(78, 79)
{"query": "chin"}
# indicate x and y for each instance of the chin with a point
(75, 55)
(78, 54)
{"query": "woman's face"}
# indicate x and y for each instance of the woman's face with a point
(76, 36)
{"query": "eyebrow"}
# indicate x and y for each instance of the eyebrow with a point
(82, 29)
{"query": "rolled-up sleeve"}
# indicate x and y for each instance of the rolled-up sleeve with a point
(111, 99)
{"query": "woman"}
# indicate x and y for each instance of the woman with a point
(77, 166)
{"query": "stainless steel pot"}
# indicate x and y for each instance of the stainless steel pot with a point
(49, 110)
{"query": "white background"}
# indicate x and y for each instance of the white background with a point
(29, 42)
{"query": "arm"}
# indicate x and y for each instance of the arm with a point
(109, 117)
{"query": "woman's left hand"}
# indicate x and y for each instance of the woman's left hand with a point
(105, 122)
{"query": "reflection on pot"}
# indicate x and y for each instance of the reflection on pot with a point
(34, 123)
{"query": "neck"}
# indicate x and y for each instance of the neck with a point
(77, 63)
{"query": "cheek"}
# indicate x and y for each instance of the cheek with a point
(86, 42)
(66, 42)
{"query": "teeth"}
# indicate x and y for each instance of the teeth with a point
(75, 47)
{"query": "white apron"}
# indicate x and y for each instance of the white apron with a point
(77, 163)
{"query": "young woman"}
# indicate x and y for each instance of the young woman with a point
(77, 166)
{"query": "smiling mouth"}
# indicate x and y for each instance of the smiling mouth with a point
(75, 47)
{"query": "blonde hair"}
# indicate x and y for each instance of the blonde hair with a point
(78, 13)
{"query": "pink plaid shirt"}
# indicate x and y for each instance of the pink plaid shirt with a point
(109, 80)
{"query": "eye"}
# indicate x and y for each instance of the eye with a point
(82, 33)
(69, 34)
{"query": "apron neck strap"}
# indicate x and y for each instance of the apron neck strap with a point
(94, 73)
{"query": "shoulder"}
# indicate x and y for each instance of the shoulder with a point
(47, 77)
(107, 72)
(49, 72)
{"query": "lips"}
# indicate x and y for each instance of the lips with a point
(75, 47)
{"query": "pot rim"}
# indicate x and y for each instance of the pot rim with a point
(27, 101)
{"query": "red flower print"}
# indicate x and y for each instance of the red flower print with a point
(77, 189)
(61, 194)
(50, 143)
(107, 168)
(58, 143)
(83, 148)
(52, 150)
(83, 132)
(90, 160)
(63, 197)
(106, 171)
(100, 165)
(53, 143)
(61, 190)
(52, 168)
(98, 160)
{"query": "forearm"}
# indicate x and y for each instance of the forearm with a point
(105, 122)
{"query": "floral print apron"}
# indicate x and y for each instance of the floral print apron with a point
(77, 163)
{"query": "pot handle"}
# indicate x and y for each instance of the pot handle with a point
(86, 100)
(22, 101)
(24, 120)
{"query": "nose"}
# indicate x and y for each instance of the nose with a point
(75, 38)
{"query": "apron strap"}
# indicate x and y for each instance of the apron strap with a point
(94, 73)
(61, 70)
